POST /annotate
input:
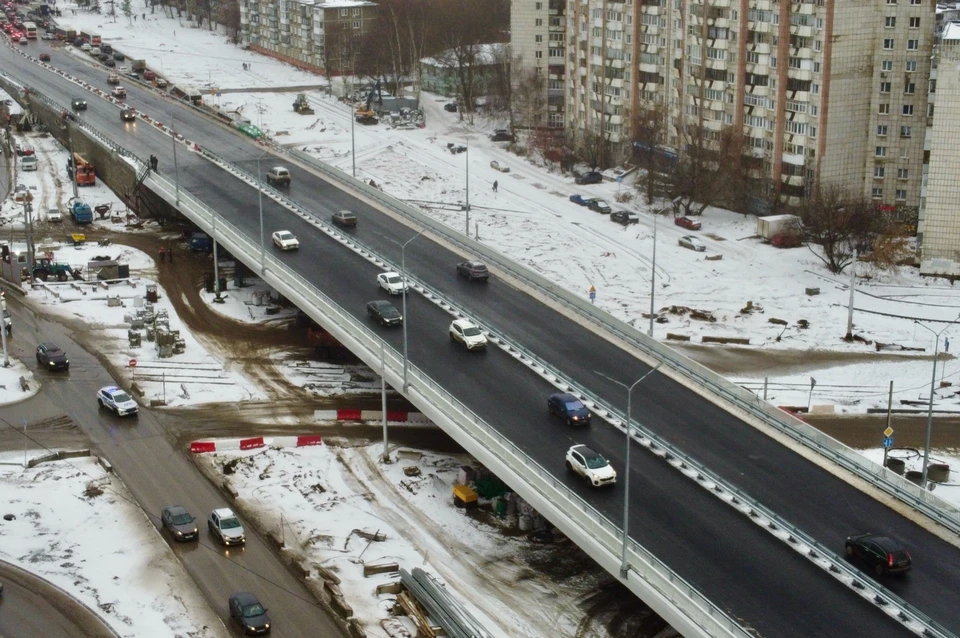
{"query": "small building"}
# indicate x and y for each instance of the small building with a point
(441, 73)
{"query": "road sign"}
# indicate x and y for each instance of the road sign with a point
(132, 363)
(593, 293)
(888, 432)
(888, 443)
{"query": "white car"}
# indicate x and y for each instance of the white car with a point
(497, 166)
(46, 36)
(468, 334)
(28, 163)
(86, 46)
(392, 282)
(225, 525)
(693, 243)
(285, 240)
(590, 465)
(54, 215)
(117, 400)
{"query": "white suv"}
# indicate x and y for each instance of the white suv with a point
(468, 334)
(225, 525)
(591, 466)
(392, 283)
(117, 400)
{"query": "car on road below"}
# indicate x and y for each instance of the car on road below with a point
(883, 554)
(686, 222)
(473, 270)
(278, 176)
(590, 177)
(467, 334)
(161, 83)
(450, 107)
(44, 57)
(578, 200)
(23, 40)
(109, 63)
(624, 217)
(118, 56)
(114, 398)
(344, 219)
(598, 205)
(113, 78)
(285, 240)
(225, 525)
(245, 608)
(85, 46)
(497, 166)
(54, 215)
(178, 521)
(392, 282)
(569, 408)
(28, 163)
(590, 465)
(119, 92)
(47, 36)
(384, 313)
(128, 115)
(501, 135)
(94, 51)
(51, 357)
(78, 104)
(693, 243)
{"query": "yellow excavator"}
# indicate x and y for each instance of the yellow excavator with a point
(301, 106)
(364, 114)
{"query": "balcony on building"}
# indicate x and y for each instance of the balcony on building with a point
(794, 159)
(760, 48)
(804, 75)
(760, 27)
(806, 7)
(801, 30)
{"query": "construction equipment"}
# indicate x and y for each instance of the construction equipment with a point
(364, 114)
(301, 106)
(80, 169)
(46, 268)
(79, 211)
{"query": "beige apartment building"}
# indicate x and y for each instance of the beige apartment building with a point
(834, 89)
(312, 34)
(538, 36)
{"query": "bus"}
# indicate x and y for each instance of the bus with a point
(30, 30)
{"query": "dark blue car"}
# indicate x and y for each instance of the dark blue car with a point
(569, 408)
(578, 199)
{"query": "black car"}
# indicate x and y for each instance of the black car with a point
(51, 357)
(569, 408)
(118, 56)
(624, 217)
(473, 270)
(590, 177)
(79, 104)
(78, 42)
(884, 554)
(128, 115)
(450, 106)
(501, 135)
(108, 62)
(181, 525)
(385, 313)
(106, 48)
(246, 609)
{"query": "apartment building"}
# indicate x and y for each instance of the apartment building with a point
(312, 34)
(828, 89)
(939, 226)
(538, 50)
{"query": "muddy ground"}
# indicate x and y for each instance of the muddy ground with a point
(248, 347)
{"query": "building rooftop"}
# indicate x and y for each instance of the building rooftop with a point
(951, 31)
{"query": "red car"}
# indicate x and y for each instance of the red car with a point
(686, 222)
(44, 57)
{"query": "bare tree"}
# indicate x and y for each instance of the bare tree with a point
(838, 223)
(229, 16)
(700, 177)
(654, 161)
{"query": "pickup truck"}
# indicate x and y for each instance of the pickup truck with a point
(278, 176)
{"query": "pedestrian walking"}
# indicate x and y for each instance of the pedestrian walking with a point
(163, 255)
(144, 16)
(495, 186)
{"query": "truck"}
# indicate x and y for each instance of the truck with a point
(185, 92)
(93, 39)
(138, 66)
(772, 225)
(81, 170)
(79, 211)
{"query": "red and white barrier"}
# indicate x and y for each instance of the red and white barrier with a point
(393, 416)
(222, 445)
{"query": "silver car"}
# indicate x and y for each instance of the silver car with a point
(693, 243)
(225, 525)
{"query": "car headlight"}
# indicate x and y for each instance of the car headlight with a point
(52, 363)
(178, 533)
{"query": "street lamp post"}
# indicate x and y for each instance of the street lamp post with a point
(467, 227)
(933, 379)
(653, 268)
(260, 201)
(624, 565)
(403, 277)
(176, 167)
(353, 145)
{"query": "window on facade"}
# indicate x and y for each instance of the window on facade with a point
(890, 22)
(356, 24)
(901, 194)
(910, 88)
(538, 55)
(907, 109)
(905, 131)
(538, 38)
(877, 192)
(903, 173)
(878, 172)
(914, 23)
(538, 22)
(882, 130)
(911, 66)
(881, 151)
(913, 45)
(344, 13)
(915, 2)
(886, 65)
(539, 6)
(884, 109)
(888, 44)
(884, 87)
(356, 13)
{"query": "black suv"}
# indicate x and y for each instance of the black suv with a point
(590, 177)
(624, 217)
(473, 270)
(501, 135)
(79, 104)
(128, 115)
(51, 357)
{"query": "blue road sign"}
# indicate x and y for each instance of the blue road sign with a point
(888, 442)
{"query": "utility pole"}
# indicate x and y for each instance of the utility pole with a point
(467, 228)
(176, 168)
(853, 284)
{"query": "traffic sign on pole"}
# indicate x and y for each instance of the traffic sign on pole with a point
(888, 443)
(132, 363)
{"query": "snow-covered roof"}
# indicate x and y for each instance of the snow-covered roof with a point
(951, 31)
(337, 4)
(486, 54)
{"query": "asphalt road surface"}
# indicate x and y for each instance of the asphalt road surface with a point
(743, 569)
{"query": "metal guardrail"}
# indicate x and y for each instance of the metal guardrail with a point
(935, 508)
(536, 485)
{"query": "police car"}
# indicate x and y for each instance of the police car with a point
(117, 400)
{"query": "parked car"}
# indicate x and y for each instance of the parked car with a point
(23, 149)
(109, 63)
(693, 243)
(51, 357)
(252, 617)
(178, 521)
(590, 177)
(278, 176)
(225, 525)
(54, 215)
(106, 48)
(786, 240)
(94, 51)
(473, 270)
(598, 205)
(497, 166)
(118, 56)
(569, 408)
(686, 222)
(392, 282)
(28, 163)
(384, 313)
(884, 554)
(501, 135)
(285, 240)
(78, 104)
(44, 57)
(161, 83)
(149, 75)
(624, 217)
(590, 465)
(128, 115)
(450, 106)
(113, 78)
(467, 334)
(578, 199)
(114, 398)
(344, 219)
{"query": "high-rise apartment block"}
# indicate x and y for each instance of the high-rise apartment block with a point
(834, 90)
(312, 34)
(538, 50)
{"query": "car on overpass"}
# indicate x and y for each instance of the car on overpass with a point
(569, 408)
(344, 219)
(473, 270)
(467, 334)
(78, 104)
(285, 240)
(392, 282)
(590, 465)
(883, 554)
(384, 313)
(128, 115)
